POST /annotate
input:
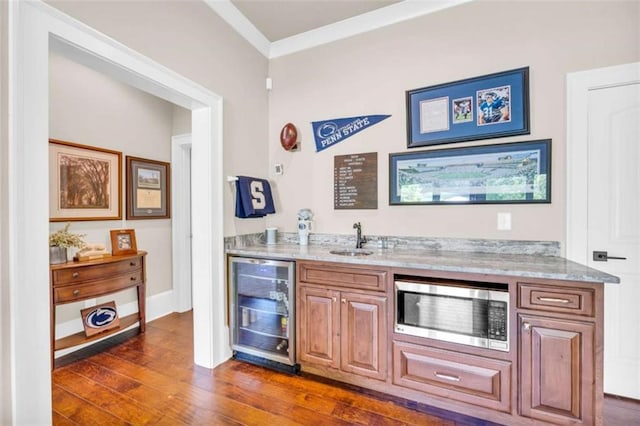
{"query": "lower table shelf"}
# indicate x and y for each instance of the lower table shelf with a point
(81, 337)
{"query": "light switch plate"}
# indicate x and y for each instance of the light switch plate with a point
(504, 221)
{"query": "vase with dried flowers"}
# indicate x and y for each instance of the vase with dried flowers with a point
(59, 241)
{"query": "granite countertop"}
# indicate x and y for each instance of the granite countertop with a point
(521, 265)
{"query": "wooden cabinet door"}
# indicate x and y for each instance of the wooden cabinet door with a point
(557, 370)
(364, 335)
(319, 319)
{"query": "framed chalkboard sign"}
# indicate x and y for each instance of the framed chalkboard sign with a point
(355, 181)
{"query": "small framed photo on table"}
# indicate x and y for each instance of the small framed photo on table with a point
(123, 241)
(148, 189)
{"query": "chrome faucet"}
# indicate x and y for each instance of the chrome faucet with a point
(360, 240)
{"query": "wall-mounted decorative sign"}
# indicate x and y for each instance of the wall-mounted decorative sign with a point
(84, 182)
(329, 132)
(490, 106)
(355, 181)
(148, 189)
(491, 174)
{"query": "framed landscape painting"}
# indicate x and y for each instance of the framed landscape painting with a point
(490, 174)
(84, 182)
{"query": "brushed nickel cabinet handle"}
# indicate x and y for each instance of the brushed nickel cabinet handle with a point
(76, 292)
(526, 326)
(553, 300)
(449, 377)
(75, 275)
(344, 300)
(335, 299)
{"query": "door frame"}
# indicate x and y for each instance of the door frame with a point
(578, 86)
(181, 221)
(33, 27)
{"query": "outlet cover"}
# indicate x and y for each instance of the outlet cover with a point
(504, 221)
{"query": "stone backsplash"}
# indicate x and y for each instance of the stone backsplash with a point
(537, 248)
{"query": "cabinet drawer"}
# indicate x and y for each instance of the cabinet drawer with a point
(87, 273)
(342, 276)
(577, 301)
(73, 293)
(471, 379)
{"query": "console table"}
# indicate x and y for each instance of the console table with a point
(77, 281)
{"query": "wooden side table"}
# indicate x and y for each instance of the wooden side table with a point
(77, 281)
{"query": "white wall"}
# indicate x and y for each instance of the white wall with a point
(369, 74)
(5, 306)
(191, 39)
(92, 109)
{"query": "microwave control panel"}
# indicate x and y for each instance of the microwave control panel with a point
(498, 319)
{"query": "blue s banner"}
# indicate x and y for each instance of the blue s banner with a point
(330, 132)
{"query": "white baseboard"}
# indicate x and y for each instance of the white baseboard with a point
(157, 306)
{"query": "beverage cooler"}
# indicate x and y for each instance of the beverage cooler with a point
(263, 311)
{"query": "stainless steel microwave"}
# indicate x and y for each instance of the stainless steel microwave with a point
(459, 313)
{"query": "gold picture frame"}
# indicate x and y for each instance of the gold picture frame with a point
(84, 182)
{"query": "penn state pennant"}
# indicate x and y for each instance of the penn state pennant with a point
(329, 132)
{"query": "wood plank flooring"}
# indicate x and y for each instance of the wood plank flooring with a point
(151, 379)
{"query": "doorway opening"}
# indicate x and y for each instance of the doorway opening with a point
(34, 28)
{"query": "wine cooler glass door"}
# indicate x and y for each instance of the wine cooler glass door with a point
(262, 309)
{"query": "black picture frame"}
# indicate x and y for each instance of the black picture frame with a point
(512, 173)
(490, 106)
(148, 189)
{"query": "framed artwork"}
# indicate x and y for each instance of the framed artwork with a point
(491, 174)
(148, 189)
(84, 182)
(123, 241)
(97, 319)
(491, 106)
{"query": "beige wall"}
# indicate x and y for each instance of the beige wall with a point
(369, 74)
(89, 108)
(191, 39)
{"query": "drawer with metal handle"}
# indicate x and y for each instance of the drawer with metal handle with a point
(577, 301)
(82, 273)
(66, 294)
(473, 379)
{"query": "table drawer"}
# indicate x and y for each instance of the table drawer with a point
(342, 276)
(577, 301)
(82, 273)
(468, 378)
(66, 294)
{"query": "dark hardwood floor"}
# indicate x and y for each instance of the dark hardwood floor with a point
(151, 379)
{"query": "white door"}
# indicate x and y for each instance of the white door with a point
(613, 221)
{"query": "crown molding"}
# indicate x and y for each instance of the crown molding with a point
(369, 21)
(241, 24)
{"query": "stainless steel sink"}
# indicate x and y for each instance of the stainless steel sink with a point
(351, 252)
